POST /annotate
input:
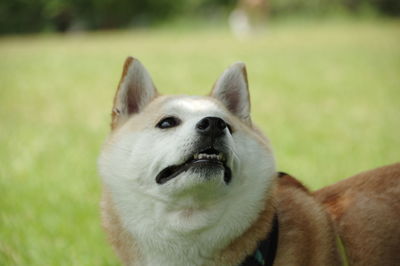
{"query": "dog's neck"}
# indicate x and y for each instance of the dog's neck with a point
(204, 247)
(226, 242)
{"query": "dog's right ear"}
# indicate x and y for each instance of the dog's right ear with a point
(232, 90)
(135, 91)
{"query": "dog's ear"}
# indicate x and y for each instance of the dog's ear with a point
(135, 91)
(232, 90)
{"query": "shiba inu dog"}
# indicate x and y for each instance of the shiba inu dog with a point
(190, 180)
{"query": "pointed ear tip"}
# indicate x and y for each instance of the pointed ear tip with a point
(132, 62)
(240, 65)
(128, 63)
(129, 59)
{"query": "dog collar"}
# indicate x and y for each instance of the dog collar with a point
(265, 253)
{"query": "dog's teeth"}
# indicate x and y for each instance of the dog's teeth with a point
(199, 156)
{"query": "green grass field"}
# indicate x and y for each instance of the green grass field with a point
(327, 94)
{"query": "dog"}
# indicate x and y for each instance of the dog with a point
(190, 180)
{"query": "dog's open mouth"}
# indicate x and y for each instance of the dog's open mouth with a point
(209, 158)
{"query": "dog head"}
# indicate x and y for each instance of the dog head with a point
(184, 161)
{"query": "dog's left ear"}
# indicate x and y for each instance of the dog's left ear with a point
(232, 90)
(135, 91)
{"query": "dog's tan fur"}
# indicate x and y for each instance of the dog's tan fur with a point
(119, 238)
(366, 213)
(363, 210)
(306, 234)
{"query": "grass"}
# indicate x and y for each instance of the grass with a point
(327, 94)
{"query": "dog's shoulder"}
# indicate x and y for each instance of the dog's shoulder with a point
(286, 181)
(303, 219)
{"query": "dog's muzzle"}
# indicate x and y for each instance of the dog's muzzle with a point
(209, 158)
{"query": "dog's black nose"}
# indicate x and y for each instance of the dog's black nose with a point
(211, 127)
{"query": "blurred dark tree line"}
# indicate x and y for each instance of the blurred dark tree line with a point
(20, 16)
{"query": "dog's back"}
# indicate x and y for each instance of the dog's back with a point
(366, 213)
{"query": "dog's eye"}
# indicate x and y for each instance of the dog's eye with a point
(168, 122)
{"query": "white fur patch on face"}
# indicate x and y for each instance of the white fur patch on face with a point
(196, 209)
(194, 108)
(194, 105)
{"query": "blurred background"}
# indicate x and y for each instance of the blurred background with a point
(324, 81)
(25, 16)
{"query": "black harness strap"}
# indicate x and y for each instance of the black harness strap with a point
(265, 253)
